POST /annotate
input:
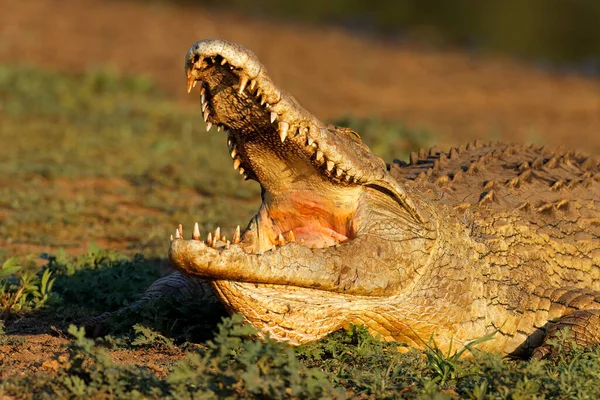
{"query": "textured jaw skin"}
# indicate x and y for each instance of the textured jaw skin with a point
(488, 238)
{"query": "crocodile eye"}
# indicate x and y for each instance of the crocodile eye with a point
(346, 131)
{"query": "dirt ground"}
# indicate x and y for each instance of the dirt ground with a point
(458, 96)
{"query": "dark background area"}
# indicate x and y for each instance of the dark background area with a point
(553, 33)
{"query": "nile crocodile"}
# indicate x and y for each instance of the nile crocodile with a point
(451, 245)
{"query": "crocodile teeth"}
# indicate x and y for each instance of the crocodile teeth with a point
(224, 61)
(209, 240)
(233, 153)
(236, 235)
(219, 128)
(319, 155)
(280, 240)
(204, 105)
(180, 230)
(190, 83)
(217, 235)
(177, 236)
(283, 130)
(310, 141)
(243, 83)
(252, 84)
(347, 178)
(171, 238)
(273, 116)
(236, 163)
(202, 100)
(330, 165)
(291, 237)
(196, 234)
(208, 126)
(206, 114)
(339, 172)
(227, 245)
(242, 170)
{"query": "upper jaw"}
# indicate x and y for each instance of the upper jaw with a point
(266, 124)
(237, 93)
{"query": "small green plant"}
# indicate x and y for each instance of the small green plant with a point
(234, 366)
(446, 366)
(101, 280)
(24, 293)
(147, 337)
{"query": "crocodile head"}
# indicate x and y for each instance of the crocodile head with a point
(333, 222)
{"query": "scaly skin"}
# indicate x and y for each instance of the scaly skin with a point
(453, 245)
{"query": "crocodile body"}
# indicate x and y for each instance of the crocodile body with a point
(451, 245)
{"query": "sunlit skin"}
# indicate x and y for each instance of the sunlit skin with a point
(454, 245)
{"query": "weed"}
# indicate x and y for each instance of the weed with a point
(24, 293)
(233, 366)
(100, 280)
(147, 337)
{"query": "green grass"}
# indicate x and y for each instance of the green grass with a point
(105, 158)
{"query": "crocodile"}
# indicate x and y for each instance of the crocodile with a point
(450, 246)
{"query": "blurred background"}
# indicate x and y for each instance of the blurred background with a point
(101, 143)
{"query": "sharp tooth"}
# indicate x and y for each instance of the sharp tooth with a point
(347, 178)
(209, 240)
(205, 115)
(246, 177)
(233, 153)
(263, 101)
(280, 240)
(310, 141)
(196, 234)
(339, 172)
(171, 238)
(258, 92)
(202, 89)
(218, 233)
(330, 165)
(236, 163)
(214, 244)
(236, 235)
(242, 170)
(194, 84)
(202, 99)
(273, 116)
(190, 82)
(227, 245)
(291, 237)
(208, 126)
(180, 230)
(204, 105)
(252, 84)
(224, 61)
(283, 130)
(243, 83)
(177, 236)
(219, 128)
(223, 239)
(319, 155)
(229, 143)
